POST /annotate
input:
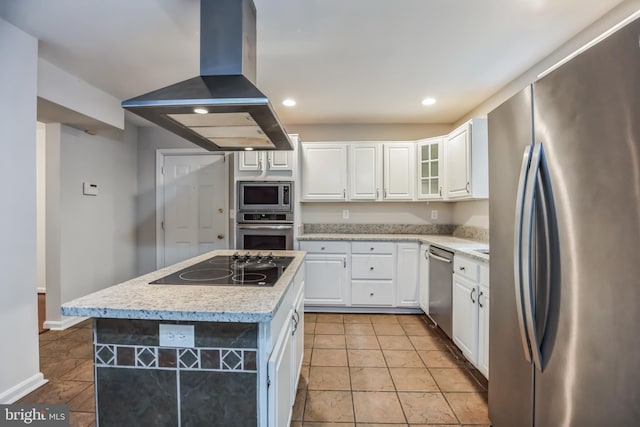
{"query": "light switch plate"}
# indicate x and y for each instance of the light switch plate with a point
(176, 335)
(434, 214)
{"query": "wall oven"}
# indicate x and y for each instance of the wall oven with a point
(265, 215)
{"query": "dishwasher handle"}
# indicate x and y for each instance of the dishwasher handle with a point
(439, 258)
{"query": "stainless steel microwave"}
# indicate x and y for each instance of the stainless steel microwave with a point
(265, 196)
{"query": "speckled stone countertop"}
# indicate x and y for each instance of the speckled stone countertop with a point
(136, 299)
(454, 244)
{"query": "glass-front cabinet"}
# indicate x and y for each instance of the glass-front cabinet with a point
(430, 162)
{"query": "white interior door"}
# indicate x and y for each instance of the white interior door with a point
(195, 202)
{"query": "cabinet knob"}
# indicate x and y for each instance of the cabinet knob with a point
(370, 268)
(371, 249)
(220, 236)
(461, 268)
(371, 294)
(322, 248)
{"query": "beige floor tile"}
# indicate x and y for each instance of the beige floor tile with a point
(440, 359)
(402, 359)
(310, 317)
(329, 341)
(371, 379)
(56, 392)
(329, 378)
(309, 327)
(308, 424)
(426, 343)
(329, 318)
(426, 408)
(391, 342)
(308, 341)
(84, 402)
(418, 330)
(82, 372)
(359, 329)
(303, 381)
(82, 419)
(298, 405)
(470, 408)
(362, 342)
(410, 319)
(413, 379)
(388, 329)
(306, 356)
(454, 380)
(328, 406)
(329, 329)
(383, 318)
(356, 318)
(377, 407)
(296, 424)
(329, 357)
(382, 425)
(366, 358)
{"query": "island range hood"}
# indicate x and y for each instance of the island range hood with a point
(221, 109)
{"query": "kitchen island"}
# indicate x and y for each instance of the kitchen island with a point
(236, 363)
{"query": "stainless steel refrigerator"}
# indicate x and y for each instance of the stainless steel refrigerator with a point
(564, 208)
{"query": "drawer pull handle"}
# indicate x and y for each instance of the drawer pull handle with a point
(371, 294)
(370, 268)
(461, 268)
(322, 248)
(480, 302)
(473, 291)
(371, 249)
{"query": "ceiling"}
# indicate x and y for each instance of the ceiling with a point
(344, 61)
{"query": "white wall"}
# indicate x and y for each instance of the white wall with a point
(41, 208)
(150, 139)
(376, 213)
(19, 367)
(473, 213)
(97, 232)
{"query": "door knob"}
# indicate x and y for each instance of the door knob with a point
(220, 210)
(220, 236)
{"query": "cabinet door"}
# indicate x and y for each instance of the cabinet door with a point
(324, 171)
(465, 317)
(279, 160)
(483, 332)
(325, 279)
(430, 168)
(250, 161)
(407, 274)
(279, 372)
(458, 162)
(365, 171)
(297, 348)
(399, 171)
(423, 293)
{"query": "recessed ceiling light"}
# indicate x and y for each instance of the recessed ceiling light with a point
(428, 101)
(200, 110)
(289, 102)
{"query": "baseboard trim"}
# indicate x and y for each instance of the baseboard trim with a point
(22, 389)
(364, 310)
(66, 322)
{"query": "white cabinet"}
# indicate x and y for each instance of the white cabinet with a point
(324, 171)
(327, 275)
(399, 171)
(280, 378)
(297, 346)
(365, 171)
(261, 164)
(466, 161)
(430, 168)
(424, 278)
(372, 273)
(408, 255)
(471, 311)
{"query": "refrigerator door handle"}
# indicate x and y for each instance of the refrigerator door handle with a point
(527, 255)
(517, 250)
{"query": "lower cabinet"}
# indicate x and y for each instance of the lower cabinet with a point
(327, 275)
(408, 274)
(471, 311)
(372, 273)
(423, 292)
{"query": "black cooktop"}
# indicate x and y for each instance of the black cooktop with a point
(234, 270)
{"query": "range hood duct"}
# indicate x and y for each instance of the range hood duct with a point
(233, 114)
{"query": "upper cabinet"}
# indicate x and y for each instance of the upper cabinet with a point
(365, 171)
(324, 171)
(266, 164)
(430, 168)
(466, 161)
(399, 171)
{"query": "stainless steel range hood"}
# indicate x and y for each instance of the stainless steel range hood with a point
(220, 110)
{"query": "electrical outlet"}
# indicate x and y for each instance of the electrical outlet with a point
(434, 214)
(176, 336)
(232, 213)
(345, 214)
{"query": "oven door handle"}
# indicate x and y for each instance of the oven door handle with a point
(265, 227)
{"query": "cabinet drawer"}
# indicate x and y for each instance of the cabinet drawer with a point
(372, 293)
(373, 247)
(372, 266)
(484, 274)
(325, 247)
(465, 267)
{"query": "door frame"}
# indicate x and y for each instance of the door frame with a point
(160, 156)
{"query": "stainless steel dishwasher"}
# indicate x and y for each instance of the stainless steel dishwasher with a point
(440, 287)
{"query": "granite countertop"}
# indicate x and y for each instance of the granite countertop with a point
(455, 244)
(136, 299)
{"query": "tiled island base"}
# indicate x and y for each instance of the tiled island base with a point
(140, 383)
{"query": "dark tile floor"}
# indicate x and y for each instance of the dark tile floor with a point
(359, 370)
